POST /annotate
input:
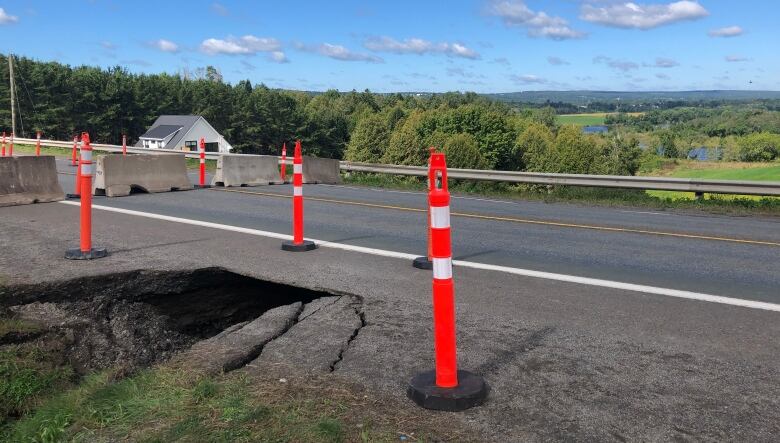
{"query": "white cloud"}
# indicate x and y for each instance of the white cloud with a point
(460, 72)
(220, 9)
(6, 18)
(642, 16)
(728, 31)
(107, 45)
(418, 46)
(165, 45)
(528, 79)
(736, 58)
(503, 61)
(278, 57)
(557, 61)
(662, 76)
(538, 24)
(246, 45)
(621, 65)
(339, 52)
(661, 62)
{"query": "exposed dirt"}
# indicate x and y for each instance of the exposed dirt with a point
(140, 318)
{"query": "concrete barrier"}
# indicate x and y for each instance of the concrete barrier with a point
(26, 180)
(238, 170)
(321, 170)
(117, 175)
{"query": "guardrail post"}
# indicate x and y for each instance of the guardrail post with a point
(445, 388)
(298, 244)
(85, 251)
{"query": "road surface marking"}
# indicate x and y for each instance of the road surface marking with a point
(645, 212)
(519, 220)
(766, 306)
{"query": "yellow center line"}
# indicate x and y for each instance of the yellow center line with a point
(520, 220)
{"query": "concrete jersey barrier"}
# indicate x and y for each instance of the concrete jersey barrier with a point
(239, 170)
(321, 170)
(26, 180)
(117, 175)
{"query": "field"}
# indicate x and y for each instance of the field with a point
(717, 171)
(592, 119)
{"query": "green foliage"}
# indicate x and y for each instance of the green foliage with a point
(369, 140)
(759, 147)
(408, 142)
(463, 152)
(534, 146)
(622, 156)
(668, 142)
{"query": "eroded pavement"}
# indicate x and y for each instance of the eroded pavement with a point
(564, 361)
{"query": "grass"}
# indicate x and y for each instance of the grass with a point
(42, 401)
(717, 171)
(589, 119)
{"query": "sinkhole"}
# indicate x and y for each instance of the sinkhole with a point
(139, 318)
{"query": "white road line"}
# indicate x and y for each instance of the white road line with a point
(645, 212)
(465, 264)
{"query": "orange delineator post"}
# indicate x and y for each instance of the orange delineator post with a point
(74, 154)
(283, 166)
(124, 144)
(425, 262)
(38, 144)
(298, 244)
(11, 146)
(85, 250)
(3, 152)
(202, 162)
(445, 388)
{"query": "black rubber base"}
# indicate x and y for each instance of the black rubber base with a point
(202, 187)
(471, 391)
(73, 195)
(75, 166)
(77, 254)
(422, 263)
(307, 245)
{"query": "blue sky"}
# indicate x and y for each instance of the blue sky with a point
(404, 45)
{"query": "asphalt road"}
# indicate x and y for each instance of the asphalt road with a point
(714, 254)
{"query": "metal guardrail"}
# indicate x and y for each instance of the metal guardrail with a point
(698, 186)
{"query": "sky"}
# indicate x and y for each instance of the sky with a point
(405, 45)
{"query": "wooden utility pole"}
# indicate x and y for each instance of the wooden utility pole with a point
(13, 95)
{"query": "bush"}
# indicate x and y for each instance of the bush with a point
(463, 151)
(761, 147)
(369, 140)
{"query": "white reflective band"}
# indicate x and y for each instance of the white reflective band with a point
(86, 169)
(440, 217)
(297, 191)
(298, 169)
(202, 160)
(86, 155)
(442, 268)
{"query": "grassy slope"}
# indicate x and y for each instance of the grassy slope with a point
(717, 171)
(42, 401)
(582, 119)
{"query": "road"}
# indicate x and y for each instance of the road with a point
(565, 360)
(714, 254)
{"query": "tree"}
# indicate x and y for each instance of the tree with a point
(462, 151)
(668, 143)
(407, 143)
(760, 147)
(369, 140)
(534, 145)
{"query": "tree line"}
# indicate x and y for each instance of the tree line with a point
(474, 131)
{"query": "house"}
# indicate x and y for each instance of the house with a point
(183, 133)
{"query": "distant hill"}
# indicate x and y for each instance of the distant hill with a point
(587, 97)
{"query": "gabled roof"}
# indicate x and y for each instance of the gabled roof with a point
(182, 122)
(161, 132)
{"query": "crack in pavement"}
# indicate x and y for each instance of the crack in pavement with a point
(362, 316)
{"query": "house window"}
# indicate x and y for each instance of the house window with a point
(191, 145)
